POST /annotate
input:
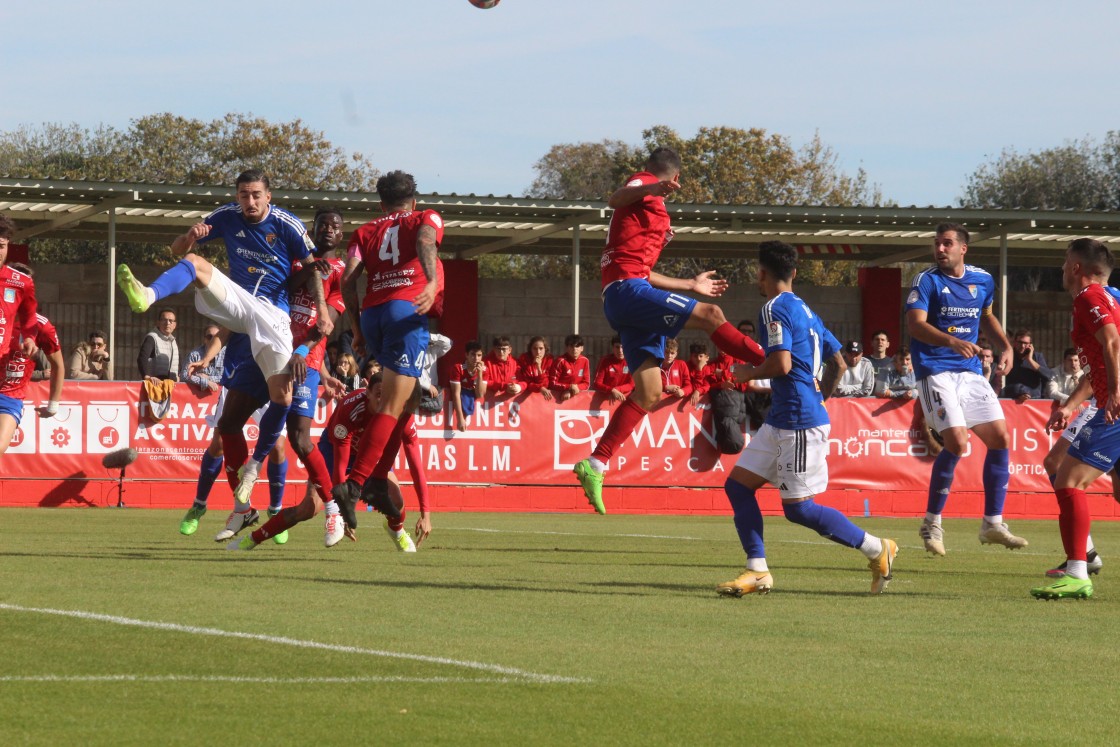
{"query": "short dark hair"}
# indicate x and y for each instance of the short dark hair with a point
(1068, 352)
(252, 175)
(746, 321)
(326, 210)
(696, 348)
(778, 258)
(373, 380)
(7, 227)
(396, 188)
(97, 333)
(1022, 332)
(575, 340)
(501, 341)
(961, 231)
(616, 340)
(473, 345)
(663, 161)
(1095, 254)
(902, 352)
(167, 310)
(533, 341)
(882, 332)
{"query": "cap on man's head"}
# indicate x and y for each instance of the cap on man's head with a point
(853, 347)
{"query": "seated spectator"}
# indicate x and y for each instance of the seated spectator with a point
(468, 383)
(346, 371)
(501, 368)
(1029, 372)
(877, 355)
(209, 378)
(701, 374)
(676, 381)
(431, 401)
(333, 351)
(612, 375)
(90, 359)
(859, 379)
(747, 328)
(987, 363)
(571, 372)
(1067, 377)
(534, 368)
(159, 352)
(897, 382)
(371, 369)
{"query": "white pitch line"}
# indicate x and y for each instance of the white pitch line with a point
(570, 534)
(247, 680)
(513, 672)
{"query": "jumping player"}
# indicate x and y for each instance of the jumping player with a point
(947, 306)
(17, 369)
(644, 308)
(790, 448)
(1096, 447)
(399, 252)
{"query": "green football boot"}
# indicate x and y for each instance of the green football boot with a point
(592, 483)
(133, 290)
(281, 538)
(1065, 588)
(189, 524)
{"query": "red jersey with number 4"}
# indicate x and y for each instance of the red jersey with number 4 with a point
(1093, 309)
(305, 312)
(17, 302)
(18, 368)
(387, 248)
(637, 234)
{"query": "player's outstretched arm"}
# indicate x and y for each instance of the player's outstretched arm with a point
(183, 243)
(628, 195)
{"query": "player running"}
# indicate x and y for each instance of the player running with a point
(946, 308)
(790, 448)
(643, 307)
(17, 369)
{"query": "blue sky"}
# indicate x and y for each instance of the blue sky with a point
(917, 94)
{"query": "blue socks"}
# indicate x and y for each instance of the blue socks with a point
(207, 474)
(271, 425)
(748, 518)
(996, 477)
(175, 280)
(941, 480)
(277, 478)
(825, 521)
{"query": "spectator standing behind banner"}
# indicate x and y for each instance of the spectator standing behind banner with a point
(612, 375)
(1066, 378)
(676, 382)
(571, 372)
(90, 359)
(859, 379)
(501, 368)
(208, 379)
(159, 353)
(1029, 372)
(877, 352)
(897, 382)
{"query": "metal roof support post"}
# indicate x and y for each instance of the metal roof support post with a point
(112, 291)
(575, 279)
(1003, 278)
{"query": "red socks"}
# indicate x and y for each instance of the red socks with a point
(318, 474)
(274, 526)
(737, 345)
(378, 432)
(1073, 521)
(622, 424)
(236, 454)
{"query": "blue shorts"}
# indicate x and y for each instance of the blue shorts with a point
(248, 379)
(643, 317)
(11, 406)
(305, 396)
(1097, 444)
(467, 397)
(396, 336)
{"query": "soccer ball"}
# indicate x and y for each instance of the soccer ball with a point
(484, 4)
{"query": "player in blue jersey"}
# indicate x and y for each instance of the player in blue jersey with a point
(790, 448)
(262, 242)
(947, 307)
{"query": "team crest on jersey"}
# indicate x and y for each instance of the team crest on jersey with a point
(972, 290)
(940, 413)
(270, 238)
(9, 295)
(340, 431)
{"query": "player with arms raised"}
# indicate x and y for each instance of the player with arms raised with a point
(1096, 447)
(791, 447)
(399, 253)
(644, 308)
(947, 307)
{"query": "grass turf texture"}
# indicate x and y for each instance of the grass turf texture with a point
(956, 651)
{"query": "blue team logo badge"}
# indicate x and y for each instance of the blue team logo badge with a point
(940, 413)
(270, 239)
(9, 295)
(972, 290)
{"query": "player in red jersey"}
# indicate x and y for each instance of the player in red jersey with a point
(612, 375)
(18, 307)
(534, 368)
(1096, 448)
(501, 368)
(18, 368)
(644, 307)
(399, 254)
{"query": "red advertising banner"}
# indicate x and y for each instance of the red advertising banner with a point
(520, 442)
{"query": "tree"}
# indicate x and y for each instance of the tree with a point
(169, 148)
(724, 165)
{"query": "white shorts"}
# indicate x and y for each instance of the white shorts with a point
(1081, 419)
(213, 418)
(792, 461)
(269, 329)
(958, 399)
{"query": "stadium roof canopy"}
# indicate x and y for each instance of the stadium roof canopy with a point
(475, 225)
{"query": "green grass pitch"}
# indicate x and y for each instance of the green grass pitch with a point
(538, 629)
